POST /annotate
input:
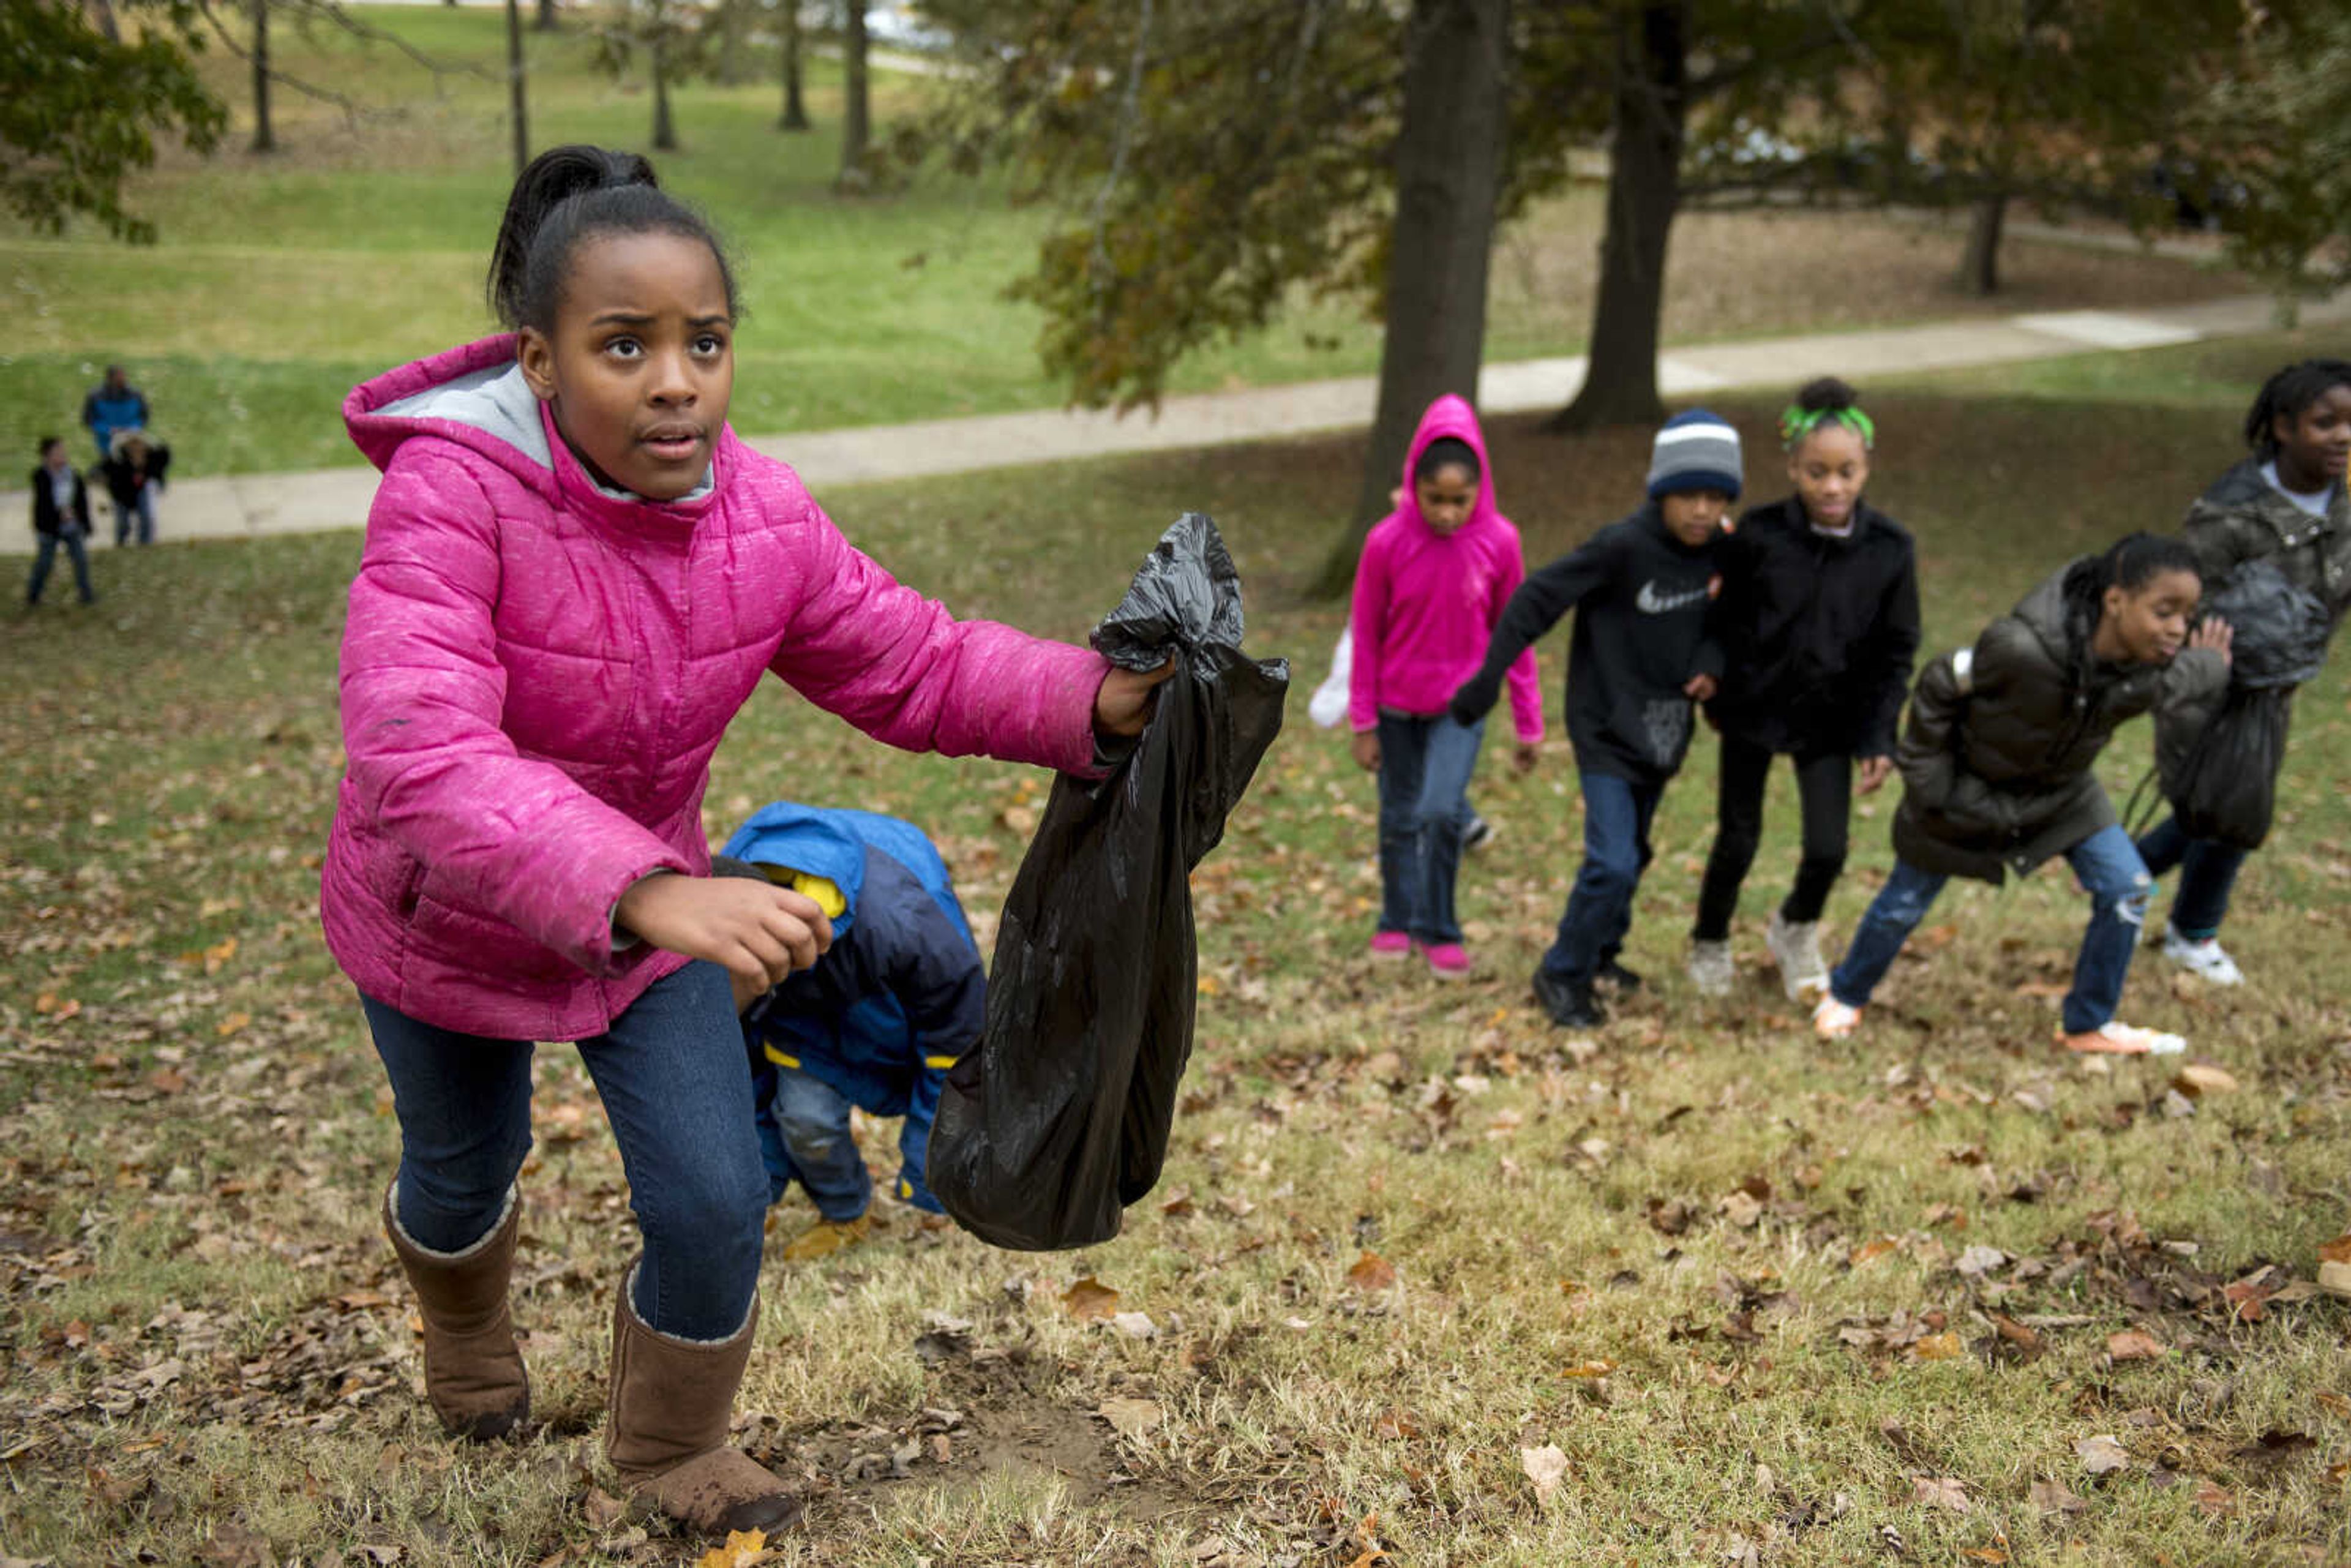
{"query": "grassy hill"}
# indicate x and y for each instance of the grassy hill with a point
(1743, 1297)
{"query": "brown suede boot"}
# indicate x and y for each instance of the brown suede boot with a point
(666, 1430)
(473, 1369)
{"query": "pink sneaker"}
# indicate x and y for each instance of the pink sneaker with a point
(1390, 944)
(1448, 960)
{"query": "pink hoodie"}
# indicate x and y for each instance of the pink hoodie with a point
(536, 673)
(1426, 604)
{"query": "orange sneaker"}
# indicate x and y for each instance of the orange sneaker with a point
(2115, 1038)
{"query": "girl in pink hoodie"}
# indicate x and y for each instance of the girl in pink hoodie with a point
(573, 577)
(1434, 576)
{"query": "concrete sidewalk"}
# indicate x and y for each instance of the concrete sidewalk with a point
(251, 505)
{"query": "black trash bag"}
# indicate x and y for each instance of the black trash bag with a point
(2227, 789)
(2224, 787)
(1059, 1118)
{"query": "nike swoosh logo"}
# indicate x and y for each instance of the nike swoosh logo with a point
(1653, 602)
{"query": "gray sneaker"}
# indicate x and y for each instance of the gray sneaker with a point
(1711, 970)
(1797, 950)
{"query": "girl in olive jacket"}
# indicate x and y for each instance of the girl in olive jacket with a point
(1996, 770)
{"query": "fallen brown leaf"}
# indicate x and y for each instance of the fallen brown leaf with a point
(1546, 1466)
(1371, 1272)
(2102, 1455)
(1941, 1491)
(1132, 1417)
(2056, 1497)
(1091, 1300)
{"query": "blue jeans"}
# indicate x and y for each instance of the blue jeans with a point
(809, 1120)
(1616, 816)
(2208, 872)
(1424, 768)
(143, 508)
(44, 556)
(670, 1074)
(2110, 872)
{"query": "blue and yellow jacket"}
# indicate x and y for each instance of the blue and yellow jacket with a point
(900, 994)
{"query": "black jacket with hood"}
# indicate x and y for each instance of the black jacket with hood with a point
(1996, 763)
(1819, 631)
(1642, 602)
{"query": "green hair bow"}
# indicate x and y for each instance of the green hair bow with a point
(1797, 423)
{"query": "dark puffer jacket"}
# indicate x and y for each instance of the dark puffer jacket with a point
(1996, 761)
(2242, 517)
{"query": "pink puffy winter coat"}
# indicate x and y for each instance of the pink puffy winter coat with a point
(536, 673)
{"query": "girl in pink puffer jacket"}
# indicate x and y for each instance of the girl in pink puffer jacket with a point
(573, 577)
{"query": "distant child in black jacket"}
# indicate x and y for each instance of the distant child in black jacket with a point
(60, 516)
(1819, 624)
(1642, 589)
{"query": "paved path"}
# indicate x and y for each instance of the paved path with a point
(245, 505)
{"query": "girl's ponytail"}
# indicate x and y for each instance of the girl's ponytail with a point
(567, 193)
(1825, 401)
(2135, 559)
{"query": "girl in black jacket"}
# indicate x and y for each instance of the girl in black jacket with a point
(1996, 770)
(1818, 622)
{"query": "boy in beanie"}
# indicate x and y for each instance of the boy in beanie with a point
(1640, 657)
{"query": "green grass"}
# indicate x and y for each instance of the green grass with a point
(282, 279)
(204, 1340)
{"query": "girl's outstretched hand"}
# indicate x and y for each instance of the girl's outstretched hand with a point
(759, 933)
(1365, 747)
(2216, 636)
(1528, 754)
(1874, 771)
(1122, 705)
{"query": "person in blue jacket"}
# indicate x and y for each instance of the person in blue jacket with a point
(878, 1021)
(113, 406)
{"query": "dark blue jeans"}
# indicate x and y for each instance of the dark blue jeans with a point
(672, 1076)
(1424, 768)
(44, 556)
(2110, 872)
(1616, 816)
(2208, 874)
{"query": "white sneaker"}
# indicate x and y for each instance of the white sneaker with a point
(1835, 1020)
(2204, 957)
(1797, 950)
(2115, 1038)
(1711, 968)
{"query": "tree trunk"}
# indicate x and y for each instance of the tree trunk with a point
(265, 136)
(795, 104)
(855, 125)
(734, 57)
(1980, 263)
(103, 10)
(1449, 168)
(1620, 387)
(515, 108)
(546, 22)
(665, 129)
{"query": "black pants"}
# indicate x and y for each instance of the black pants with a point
(1825, 788)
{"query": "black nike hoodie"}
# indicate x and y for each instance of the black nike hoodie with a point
(1642, 600)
